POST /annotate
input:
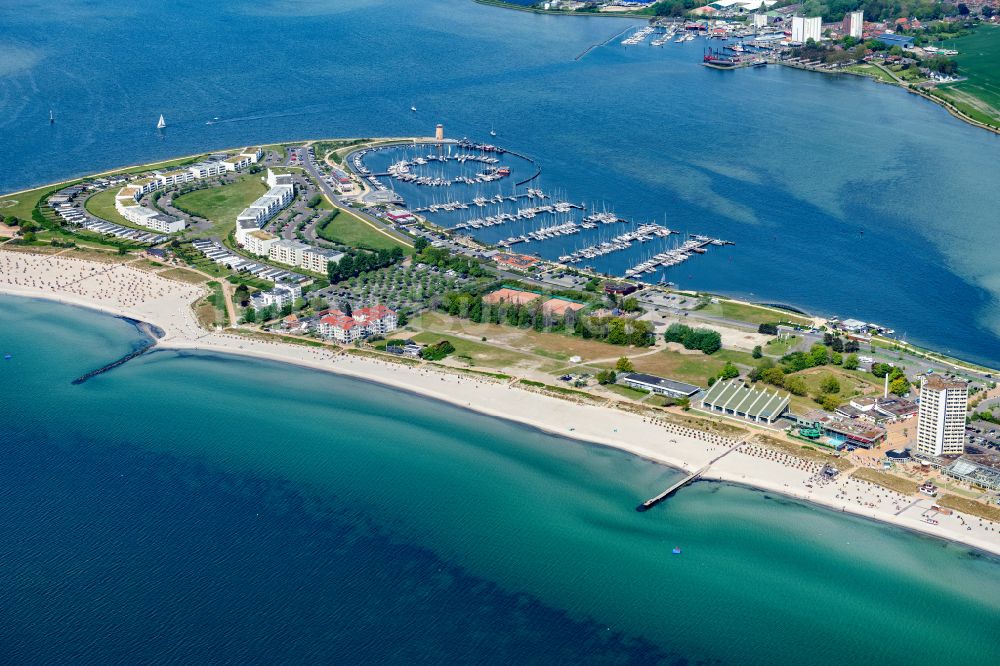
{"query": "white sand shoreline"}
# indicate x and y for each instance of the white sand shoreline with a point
(129, 292)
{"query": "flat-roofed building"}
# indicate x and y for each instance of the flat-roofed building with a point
(280, 194)
(207, 169)
(979, 470)
(941, 416)
(147, 217)
(286, 252)
(318, 259)
(171, 178)
(804, 29)
(259, 242)
(659, 385)
(735, 398)
(282, 294)
(854, 23)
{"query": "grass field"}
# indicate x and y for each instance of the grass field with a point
(183, 275)
(211, 310)
(852, 383)
(102, 205)
(690, 368)
(222, 204)
(870, 70)
(750, 313)
(802, 451)
(978, 60)
(478, 354)
(21, 205)
(349, 229)
(972, 507)
(626, 392)
(555, 346)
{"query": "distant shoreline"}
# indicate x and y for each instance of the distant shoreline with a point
(558, 12)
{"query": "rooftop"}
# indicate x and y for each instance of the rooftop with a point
(941, 383)
(670, 384)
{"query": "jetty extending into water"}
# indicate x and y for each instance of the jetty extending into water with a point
(152, 334)
(694, 245)
(690, 478)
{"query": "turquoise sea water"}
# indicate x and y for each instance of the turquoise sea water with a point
(843, 196)
(197, 508)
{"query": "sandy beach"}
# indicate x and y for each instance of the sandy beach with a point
(124, 290)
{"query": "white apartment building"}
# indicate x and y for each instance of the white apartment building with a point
(941, 417)
(147, 217)
(759, 20)
(287, 252)
(854, 23)
(126, 201)
(294, 253)
(280, 194)
(804, 29)
(281, 295)
(317, 259)
(250, 155)
(259, 242)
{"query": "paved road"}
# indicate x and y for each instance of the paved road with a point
(310, 166)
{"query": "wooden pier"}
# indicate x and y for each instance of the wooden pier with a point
(690, 478)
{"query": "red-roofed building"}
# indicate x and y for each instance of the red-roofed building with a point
(376, 320)
(510, 260)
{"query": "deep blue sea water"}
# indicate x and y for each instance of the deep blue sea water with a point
(199, 508)
(843, 196)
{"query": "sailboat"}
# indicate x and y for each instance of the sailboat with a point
(493, 131)
(161, 123)
(52, 117)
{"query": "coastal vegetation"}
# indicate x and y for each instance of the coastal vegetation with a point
(703, 339)
(890, 481)
(751, 314)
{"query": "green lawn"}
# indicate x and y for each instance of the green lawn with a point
(21, 205)
(876, 73)
(978, 60)
(625, 391)
(852, 383)
(102, 205)
(348, 229)
(222, 204)
(780, 346)
(751, 314)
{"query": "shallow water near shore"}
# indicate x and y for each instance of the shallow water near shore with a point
(190, 507)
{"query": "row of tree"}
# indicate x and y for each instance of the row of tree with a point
(353, 263)
(611, 329)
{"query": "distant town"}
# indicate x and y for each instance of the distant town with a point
(916, 48)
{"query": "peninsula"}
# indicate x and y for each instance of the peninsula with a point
(301, 253)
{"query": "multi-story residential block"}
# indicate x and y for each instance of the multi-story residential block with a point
(941, 417)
